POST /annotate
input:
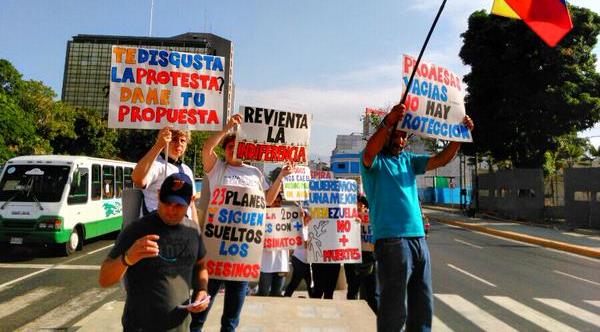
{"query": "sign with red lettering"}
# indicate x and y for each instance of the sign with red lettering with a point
(295, 185)
(435, 102)
(283, 229)
(334, 231)
(366, 232)
(274, 136)
(316, 174)
(152, 88)
(234, 233)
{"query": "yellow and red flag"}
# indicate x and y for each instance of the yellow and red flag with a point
(500, 8)
(549, 19)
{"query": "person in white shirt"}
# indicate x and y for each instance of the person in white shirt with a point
(232, 172)
(300, 266)
(273, 268)
(149, 172)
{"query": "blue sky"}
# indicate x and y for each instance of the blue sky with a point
(331, 58)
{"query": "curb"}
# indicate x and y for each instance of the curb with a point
(579, 250)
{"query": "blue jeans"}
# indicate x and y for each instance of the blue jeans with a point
(404, 271)
(270, 284)
(235, 294)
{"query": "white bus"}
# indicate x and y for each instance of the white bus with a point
(61, 200)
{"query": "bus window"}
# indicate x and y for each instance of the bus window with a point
(96, 184)
(108, 179)
(127, 177)
(119, 181)
(79, 187)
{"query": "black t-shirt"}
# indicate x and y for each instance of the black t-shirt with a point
(155, 286)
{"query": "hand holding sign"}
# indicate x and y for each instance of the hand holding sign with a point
(235, 120)
(468, 123)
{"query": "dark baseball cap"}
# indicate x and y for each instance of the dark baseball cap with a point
(177, 188)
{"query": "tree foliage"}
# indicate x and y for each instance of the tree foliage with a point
(523, 94)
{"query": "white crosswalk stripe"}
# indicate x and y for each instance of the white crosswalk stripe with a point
(584, 315)
(594, 303)
(473, 313)
(438, 325)
(20, 302)
(529, 314)
(59, 316)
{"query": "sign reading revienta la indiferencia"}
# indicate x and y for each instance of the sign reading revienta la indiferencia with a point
(435, 102)
(283, 229)
(274, 136)
(334, 231)
(295, 185)
(152, 88)
(234, 233)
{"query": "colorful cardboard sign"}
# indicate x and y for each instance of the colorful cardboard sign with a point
(274, 136)
(152, 88)
(296, 185)
(283, 229)
(234, 233)
(435, 102)
(334, 231)
(366, 233)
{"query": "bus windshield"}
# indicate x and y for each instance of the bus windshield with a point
(31, 183)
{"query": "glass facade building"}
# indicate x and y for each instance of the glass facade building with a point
(87, 64)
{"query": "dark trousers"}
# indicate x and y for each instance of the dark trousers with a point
(325, 279)
(353, 281)
(235, 294)
(270, 283)
(301, 271)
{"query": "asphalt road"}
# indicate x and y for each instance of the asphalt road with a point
(39, 290)
(480, 283)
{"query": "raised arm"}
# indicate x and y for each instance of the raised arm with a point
(276, 185)
(209, 157)
(143, 166)
(446, 155)
(381, 135)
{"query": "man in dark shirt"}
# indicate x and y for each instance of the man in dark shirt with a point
(158, 254)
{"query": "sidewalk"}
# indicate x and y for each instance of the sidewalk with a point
(586, 244)
(294, 314)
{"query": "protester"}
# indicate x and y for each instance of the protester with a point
(149, 172)
(300, 266)
(157, 255)
(273, 268)
(235, 173)
(389, 179)
(366, 272)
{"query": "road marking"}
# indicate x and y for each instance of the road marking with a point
(471, 312)
(103, 248)
(469, 244)
(595, 303)
(4, 285)
(572, 310)
(578, 278)
(50, 266)
(58, 317)
(20, 302)
(529, 314)
(438, 325)
(472, 275)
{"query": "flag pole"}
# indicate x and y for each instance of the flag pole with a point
(412, 75)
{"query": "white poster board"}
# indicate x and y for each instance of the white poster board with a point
(283, 229)
(334, 231)
(233, 233)
(152, 88)
(435, 102)
(296, 185)
(268, 135)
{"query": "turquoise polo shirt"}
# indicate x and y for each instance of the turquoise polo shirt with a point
(391, 188)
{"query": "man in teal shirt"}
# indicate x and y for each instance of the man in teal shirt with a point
(389, 180)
